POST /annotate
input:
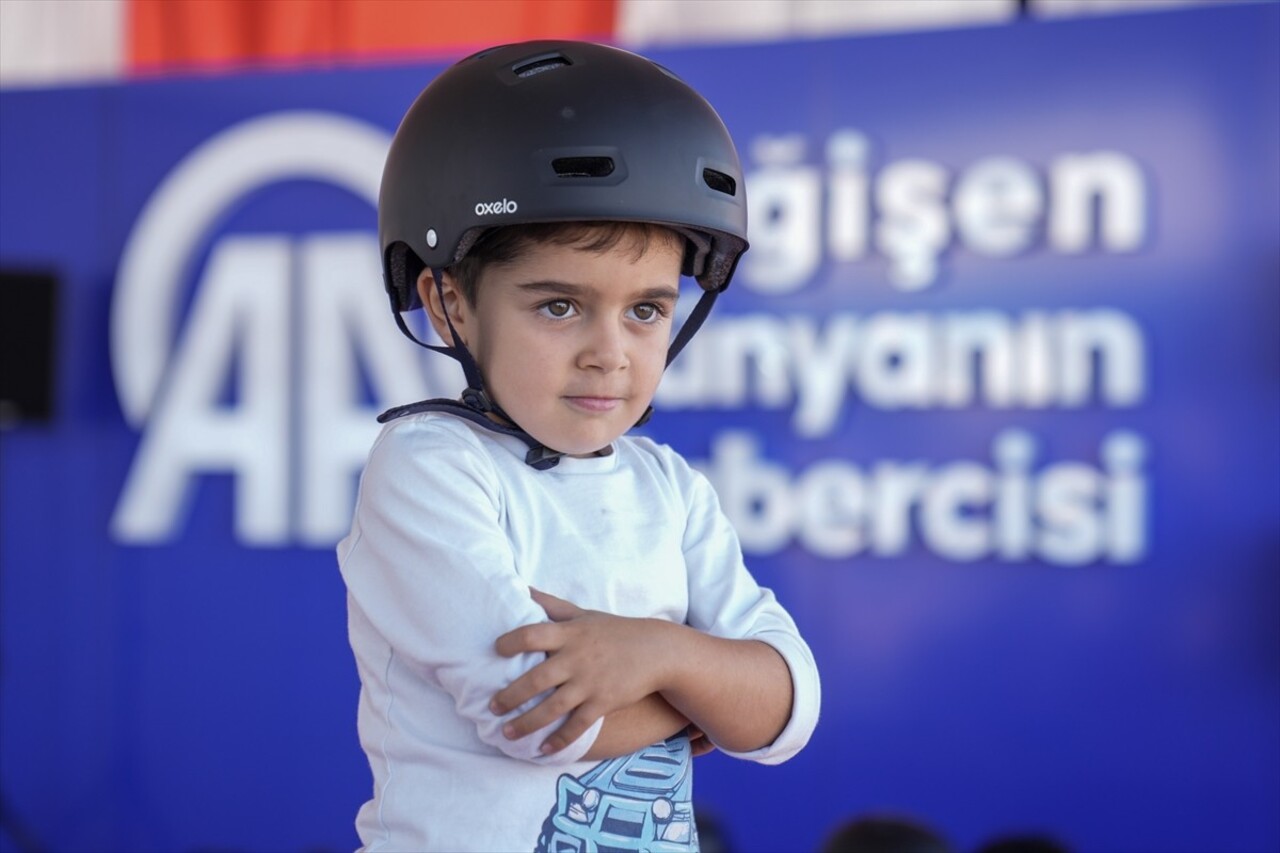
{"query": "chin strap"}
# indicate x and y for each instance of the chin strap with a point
(476, 405)
(539, 456)
(458, 351)
(694, 322)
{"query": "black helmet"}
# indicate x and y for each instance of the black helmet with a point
(556, 131)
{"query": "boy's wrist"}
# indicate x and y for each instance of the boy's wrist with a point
(676, 647)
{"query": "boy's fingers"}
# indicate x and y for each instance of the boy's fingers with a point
(543, 677)
(574, 727)
(701, 747)
(699, 743)
(542, 637)
(541, 715)
(556, 608)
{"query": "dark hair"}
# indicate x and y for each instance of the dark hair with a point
(1028, 842)
(885, 834)
(505, 245)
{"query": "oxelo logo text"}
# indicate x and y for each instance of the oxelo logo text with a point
(485, 208)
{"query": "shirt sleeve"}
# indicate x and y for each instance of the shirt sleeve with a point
(430, 566)
(726, 601)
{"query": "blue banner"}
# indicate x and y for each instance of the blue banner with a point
(994, 402)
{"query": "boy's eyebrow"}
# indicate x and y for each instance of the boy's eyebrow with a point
(565, 288)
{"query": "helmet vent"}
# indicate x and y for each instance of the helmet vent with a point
(720, 182)
(540, 64)
(583, 167)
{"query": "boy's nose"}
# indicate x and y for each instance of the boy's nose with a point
(604, 348)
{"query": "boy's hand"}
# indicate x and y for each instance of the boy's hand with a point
(699, 743)
(596, 663)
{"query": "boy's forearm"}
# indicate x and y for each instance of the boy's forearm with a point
(628, 729)
(737, 691)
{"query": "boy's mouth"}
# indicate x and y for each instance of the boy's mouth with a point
(594, 404)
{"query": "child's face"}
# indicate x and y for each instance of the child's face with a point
(571, 343)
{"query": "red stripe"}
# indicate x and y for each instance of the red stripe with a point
(165, 35)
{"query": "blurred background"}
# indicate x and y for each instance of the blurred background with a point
(994, 402)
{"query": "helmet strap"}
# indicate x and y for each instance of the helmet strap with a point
(459, 350)
(691, 325)
(475, 395)
(475, 398)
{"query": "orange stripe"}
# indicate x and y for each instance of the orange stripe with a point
(185, 34)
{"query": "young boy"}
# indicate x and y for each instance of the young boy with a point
(550, 618)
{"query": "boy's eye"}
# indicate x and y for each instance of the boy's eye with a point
(647, 312)
(558, 308)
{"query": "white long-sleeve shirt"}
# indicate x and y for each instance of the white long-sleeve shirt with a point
(451, 529)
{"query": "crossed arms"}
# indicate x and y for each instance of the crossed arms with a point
(647, 678)
(438, 570)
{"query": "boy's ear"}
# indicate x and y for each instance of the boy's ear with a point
(454, 302)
